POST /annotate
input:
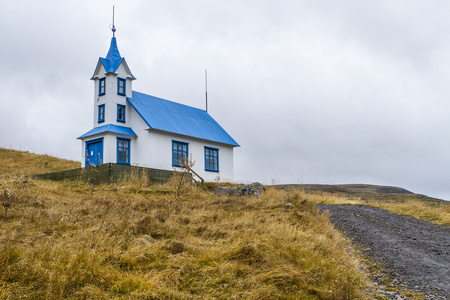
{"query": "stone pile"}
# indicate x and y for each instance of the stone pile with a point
(254, 188)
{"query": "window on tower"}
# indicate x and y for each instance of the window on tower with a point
(101, 113)
(121, 86)
(101, 86)
(121, 113)
(123, 151)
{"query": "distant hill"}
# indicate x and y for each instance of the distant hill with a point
(347, 188)
(366, 192)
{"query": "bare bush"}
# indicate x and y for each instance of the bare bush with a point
(12, 190)
(181, 179)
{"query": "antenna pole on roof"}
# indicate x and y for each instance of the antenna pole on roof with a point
(206, 89)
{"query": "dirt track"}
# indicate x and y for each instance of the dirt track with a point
(414, 252)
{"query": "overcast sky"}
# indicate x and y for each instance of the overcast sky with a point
(314, 91)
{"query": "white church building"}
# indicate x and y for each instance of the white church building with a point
(134, 128)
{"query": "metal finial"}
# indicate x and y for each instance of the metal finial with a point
(113, 27)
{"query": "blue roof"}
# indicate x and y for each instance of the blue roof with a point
(109, 128)
(165, 115)
(113, 58)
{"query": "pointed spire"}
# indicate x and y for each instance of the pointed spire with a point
(113, 53)
(113, 59)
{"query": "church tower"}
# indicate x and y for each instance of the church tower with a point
(110, 139)
(112, 85)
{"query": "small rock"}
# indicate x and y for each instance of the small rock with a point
(289, 205)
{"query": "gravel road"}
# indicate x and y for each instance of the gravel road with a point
(414, 252)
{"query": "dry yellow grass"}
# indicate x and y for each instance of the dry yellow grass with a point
(19, 162)
(58, 242)
(134, 241)
(408, 204)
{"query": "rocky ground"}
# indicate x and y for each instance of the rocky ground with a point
(412, 254)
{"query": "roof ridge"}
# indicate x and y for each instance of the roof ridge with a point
(177, 103)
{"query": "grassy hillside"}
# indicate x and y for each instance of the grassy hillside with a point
(132, 240)
(17, 162)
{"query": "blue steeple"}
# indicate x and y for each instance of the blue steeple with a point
(113, 52)
(113, 58)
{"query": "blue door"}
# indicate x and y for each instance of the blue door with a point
(94, 152)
